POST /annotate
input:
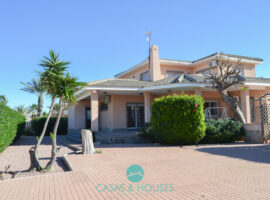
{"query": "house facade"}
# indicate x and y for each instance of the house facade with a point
(124, 102)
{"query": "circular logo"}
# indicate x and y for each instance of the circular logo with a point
(135, 173)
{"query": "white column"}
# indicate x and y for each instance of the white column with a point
(94, 111)
(71, 117)
(147, 107)
(245, 104)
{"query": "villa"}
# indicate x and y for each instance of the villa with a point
(124, 102)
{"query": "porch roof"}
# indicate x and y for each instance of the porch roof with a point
(133, 83)
(183, 81)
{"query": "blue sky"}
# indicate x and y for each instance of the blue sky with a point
(102, 38)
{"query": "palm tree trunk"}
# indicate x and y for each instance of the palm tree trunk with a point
(36, 163)
(54, 151)
(40, 105)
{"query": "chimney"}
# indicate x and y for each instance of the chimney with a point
(155, 73)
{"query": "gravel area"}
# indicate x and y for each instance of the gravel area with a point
(18, 158)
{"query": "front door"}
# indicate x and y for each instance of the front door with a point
(135, 115)
(87, 118)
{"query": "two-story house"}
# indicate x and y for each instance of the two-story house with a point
(124, 102)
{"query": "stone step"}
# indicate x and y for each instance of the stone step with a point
(74, 137)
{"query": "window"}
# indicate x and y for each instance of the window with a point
(204, 71)
(145, 76)
(241, 70)
(173, 73)
(211, 108)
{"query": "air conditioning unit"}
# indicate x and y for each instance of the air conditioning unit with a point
(107, 99)
(213, 63)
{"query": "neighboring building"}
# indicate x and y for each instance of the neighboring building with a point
(124, 102)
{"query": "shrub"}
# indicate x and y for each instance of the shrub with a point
(222, 131)
(12, 125)
(178, 119)
(38, 124)
(146, 132)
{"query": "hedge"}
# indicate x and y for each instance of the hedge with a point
(178, 119)
(12, 125)
(38, 124)
(223, 131)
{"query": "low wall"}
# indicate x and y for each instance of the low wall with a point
(253, 133)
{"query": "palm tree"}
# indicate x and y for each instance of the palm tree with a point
(36, 87)
(21, 109)
(66, 89)
(53, 68)
(3, 99)
(33, 108)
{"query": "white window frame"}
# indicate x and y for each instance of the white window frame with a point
(173, 73)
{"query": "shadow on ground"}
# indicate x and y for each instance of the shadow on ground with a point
(253, 153)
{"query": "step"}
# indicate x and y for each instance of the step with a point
(74, 138)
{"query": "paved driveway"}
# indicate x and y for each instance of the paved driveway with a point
(206, 172)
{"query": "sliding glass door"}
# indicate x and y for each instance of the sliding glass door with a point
(135, 115)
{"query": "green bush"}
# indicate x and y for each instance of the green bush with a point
(146, 132)
(38, 124)
(12, 125)
(222, 131)
(178, 119)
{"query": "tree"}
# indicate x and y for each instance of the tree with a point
(3, 99)
(228, 76)
(21, 109)
(36, 87)
(33, 109)
(53, 70)
(66, 89)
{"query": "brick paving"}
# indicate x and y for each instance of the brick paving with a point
(204, 172)
(17, 155)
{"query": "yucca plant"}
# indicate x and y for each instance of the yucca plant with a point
(53, 70)
(67, 86)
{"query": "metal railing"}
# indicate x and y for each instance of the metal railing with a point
(216, 113)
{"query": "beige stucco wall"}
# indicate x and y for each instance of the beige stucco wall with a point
(119, 112)
(199, 67)
(249, 70)
(76, 115)
(165, 68)
(105, 118)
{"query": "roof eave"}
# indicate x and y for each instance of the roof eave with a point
(139, 65)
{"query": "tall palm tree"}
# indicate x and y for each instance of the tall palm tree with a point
(33, 109)
(21, 109)
(66, 89)
(53, 68)
(36, 87)
(3, 99)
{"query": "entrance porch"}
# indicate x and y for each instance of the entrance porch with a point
(114, 111)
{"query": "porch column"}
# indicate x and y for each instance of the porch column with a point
(198, 91)
(71, 118)
(147, 107)
(245, 104)
(94, 111)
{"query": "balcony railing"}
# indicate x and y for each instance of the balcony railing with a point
(216, 113)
